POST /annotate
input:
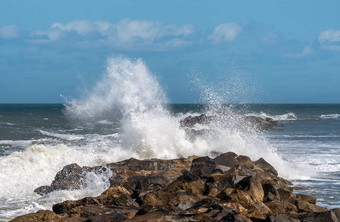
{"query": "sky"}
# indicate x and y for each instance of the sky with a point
(247, 51)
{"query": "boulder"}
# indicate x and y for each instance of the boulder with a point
(256, 122)
(41, 215)
(229, 187)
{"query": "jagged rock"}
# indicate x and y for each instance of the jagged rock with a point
(305, 206)
(270, 193)
(287, 196)
(229, 187)
(258, 122)
(307, 198)
(226, 159)
(192, 120)
(265, 166)
(112, 217)
(41, 215)
(70, 177)
(261, 123)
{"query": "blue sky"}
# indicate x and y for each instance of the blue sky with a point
(257, 51)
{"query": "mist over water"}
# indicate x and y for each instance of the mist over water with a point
(125, 115)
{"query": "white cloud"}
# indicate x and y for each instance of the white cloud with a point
(225, 32)
(46, 36)
(9, 32)
(126, 33)
(129, 30)
(307, 50)
(80, 26)
(330, 39)
(329, 36)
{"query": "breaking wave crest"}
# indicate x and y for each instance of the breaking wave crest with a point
(283, 117)
(330, 116)
(131, 98)
(148, 130)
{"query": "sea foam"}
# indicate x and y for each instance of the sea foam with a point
(128, 93)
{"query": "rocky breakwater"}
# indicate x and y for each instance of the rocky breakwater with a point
(254, 122)
(228, 187)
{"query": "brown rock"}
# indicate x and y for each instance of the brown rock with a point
(307, 198)
(270, 193)
(41, 215)
(117, 196)
(202, 167)
(283, 218)
(226, 159)
(187, 183)
(70, 177)
(305, 206)
(226, 188)
(265, 166)
(287, 196)
(329, 216)
(112, 217)
(279, 207)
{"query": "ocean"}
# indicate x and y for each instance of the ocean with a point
(121, 118)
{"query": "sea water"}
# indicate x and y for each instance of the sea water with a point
(126, 114)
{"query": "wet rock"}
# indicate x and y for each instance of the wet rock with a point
(270, 193)
(112, 217)
(283, 218)
(262, 123)
(307, 198)
(305, 206)
(202, 167)
(192, 120)
(265, 166)
(41, 215)
(258, 122)
(226, 159)
(229, 187)
(117, 196)
(280, 207)
(70, 177)
(187, 183)
(43, 190)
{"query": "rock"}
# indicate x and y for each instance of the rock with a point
(43, 190)
(112, 217)
(329, 216)
(229, 187)
(261, 123)
(307, 198)
(270, 193)
(305, 206)
(266, 166)
(186, 183)
(202, 167)
(192, 120)
(41, 215)
(258, 122)
(117, 196)
(280, 207)
(283, 218)
(287, 196)
(226, 159)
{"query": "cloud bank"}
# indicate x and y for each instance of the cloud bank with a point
(125, 33)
